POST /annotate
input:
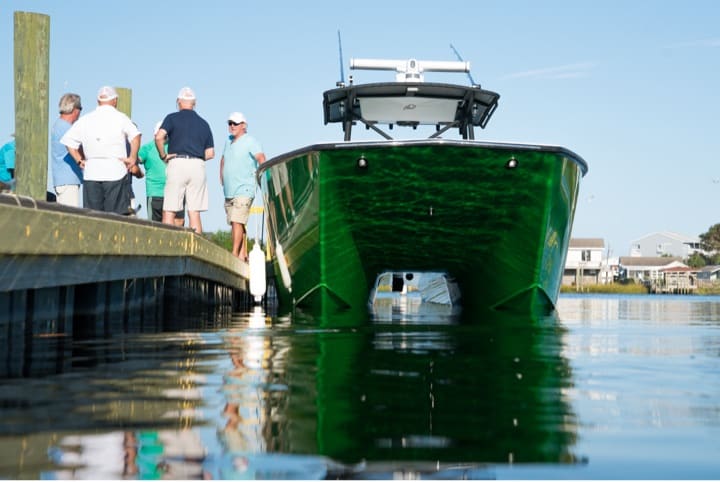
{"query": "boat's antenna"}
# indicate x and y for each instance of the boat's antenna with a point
(342, 69)
(472, 82)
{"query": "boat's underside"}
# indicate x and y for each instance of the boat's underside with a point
(496, 217)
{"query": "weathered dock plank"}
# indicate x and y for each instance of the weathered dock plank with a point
(46, 244)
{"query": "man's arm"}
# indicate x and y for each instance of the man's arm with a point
(222, 163)
(209, 153)
(134, 148)
(77, 156)
(160, 143)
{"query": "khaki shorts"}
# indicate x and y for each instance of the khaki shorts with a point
(185, 181)
(68, 194)
(238, 209)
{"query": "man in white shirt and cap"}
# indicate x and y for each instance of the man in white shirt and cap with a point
(98, 143)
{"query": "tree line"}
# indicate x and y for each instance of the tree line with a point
(710, 243)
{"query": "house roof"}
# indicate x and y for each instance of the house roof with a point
(648, 260)
(710, 269)
(586, 243)
(669, 234)
(679, 269)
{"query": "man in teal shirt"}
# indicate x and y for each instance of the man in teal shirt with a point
(7, 166)
(155, 181)
(7, 163)
(238, 164)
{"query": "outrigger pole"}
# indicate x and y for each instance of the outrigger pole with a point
(472, 82)
(342, 68)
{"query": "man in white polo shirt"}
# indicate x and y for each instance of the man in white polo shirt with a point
(98, 143)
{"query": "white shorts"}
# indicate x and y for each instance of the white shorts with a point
(68, 194)
(185, 179)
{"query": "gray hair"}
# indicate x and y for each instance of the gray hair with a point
(68, 102)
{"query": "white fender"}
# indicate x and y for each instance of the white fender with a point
(257, 272)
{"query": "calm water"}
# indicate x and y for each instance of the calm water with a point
(611, 387)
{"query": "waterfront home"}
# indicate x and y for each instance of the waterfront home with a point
(646, 269)
(586, 263)
(678, 280)
(665, 243)
(709, 275)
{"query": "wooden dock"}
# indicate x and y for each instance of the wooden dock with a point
(679, 281)
(62, 266)
(42, 234)
(75, 274)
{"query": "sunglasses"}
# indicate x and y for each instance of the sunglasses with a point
(231, 123)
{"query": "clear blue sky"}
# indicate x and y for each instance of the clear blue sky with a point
(631, 86)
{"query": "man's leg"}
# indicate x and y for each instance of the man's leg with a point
(180, 216)
(117, 197)
(243, 246)
(237, 237)
(168, 217)
(93, 195)
(195, 221)
(155, 208)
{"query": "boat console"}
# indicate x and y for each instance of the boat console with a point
(409, 101)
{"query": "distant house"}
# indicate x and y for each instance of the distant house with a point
(648, 268)
(584, 263)
(677, 279)
(665, 243)
(709, 275)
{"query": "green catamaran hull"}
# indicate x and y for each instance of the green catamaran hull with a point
(496, 217)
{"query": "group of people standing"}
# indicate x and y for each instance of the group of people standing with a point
(102, 149)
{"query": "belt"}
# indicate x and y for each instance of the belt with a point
(185, 156)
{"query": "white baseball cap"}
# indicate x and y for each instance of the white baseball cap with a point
(237, 117)
(186, 93)
(106, 93)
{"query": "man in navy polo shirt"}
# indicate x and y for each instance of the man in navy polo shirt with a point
(189, 145)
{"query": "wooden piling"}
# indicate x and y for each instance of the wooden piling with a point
(124, 104)
(32, 80)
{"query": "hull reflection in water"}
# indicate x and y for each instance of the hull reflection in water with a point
(484, 390)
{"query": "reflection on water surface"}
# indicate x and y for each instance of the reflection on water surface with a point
(259, 395)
